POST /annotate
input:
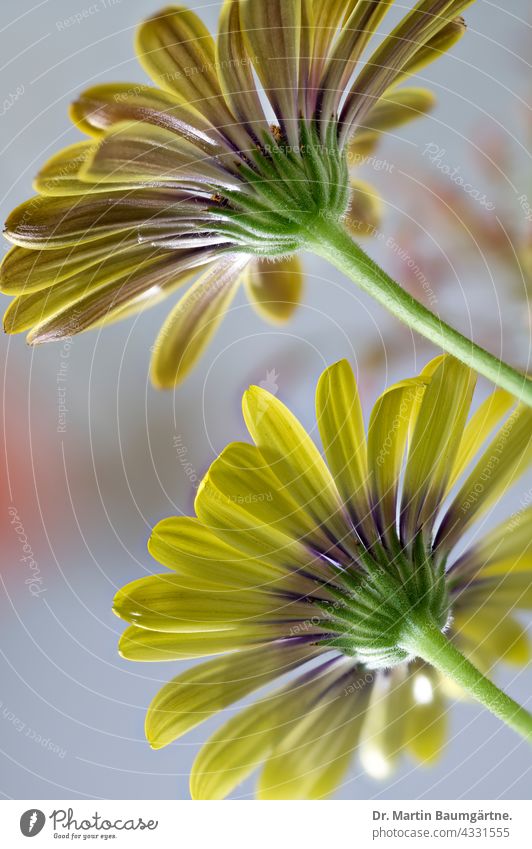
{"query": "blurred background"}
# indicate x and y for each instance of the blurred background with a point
(90, 459)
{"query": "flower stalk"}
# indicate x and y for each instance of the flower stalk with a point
(427, 642)
(331, 241)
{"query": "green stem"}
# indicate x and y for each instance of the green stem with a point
(330, 240)
(428, 643)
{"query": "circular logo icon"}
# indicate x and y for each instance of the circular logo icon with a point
(32, 822)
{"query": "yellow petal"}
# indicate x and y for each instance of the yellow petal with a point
(327, 19)
(240, 746)
(503, 594)
(341, 425)
(141, 155)
(60, 174)
(508, 543)
(185, 545)
(440, 43)
(515, 566)
(385, 65)
(257, 539)
(272, 33)
(394, 109)
(387, 438)
(26, 270)
(499, 636)
(383, 732)
(358, 150)
(32, 309)
(179, 605)
(435, 443)
(478, 428)
(275, 288)
(451, 690)
(193, 322)
(310, 761)
(473, 651)
(48, 223)
(346, 52)
(139, 644)
(101, 304)
(102, 106)
(365, 210)
(506, 458)
(145, 301)
(235, 71)
(306, 94)
(426, 721)
(204, 690)
(242, 474)
(294, 459)
(178, 52)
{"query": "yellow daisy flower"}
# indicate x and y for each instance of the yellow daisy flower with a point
(344, 571)
(206, 171)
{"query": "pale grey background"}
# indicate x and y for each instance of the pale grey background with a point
(87, 498)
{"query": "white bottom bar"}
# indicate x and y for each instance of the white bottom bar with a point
(267, 825)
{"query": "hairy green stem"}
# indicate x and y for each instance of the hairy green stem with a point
(330, 240)
(428, 643)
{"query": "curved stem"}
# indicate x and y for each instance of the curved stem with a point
(331, 241)
(428, 643)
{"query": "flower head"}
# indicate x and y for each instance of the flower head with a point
(223, 167)
(294, 563)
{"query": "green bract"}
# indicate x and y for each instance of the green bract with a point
(289, 190)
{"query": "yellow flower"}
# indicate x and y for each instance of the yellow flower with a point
(196, 174)
(292, 563)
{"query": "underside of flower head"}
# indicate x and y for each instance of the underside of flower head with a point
(329, 566)
(227, 163)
